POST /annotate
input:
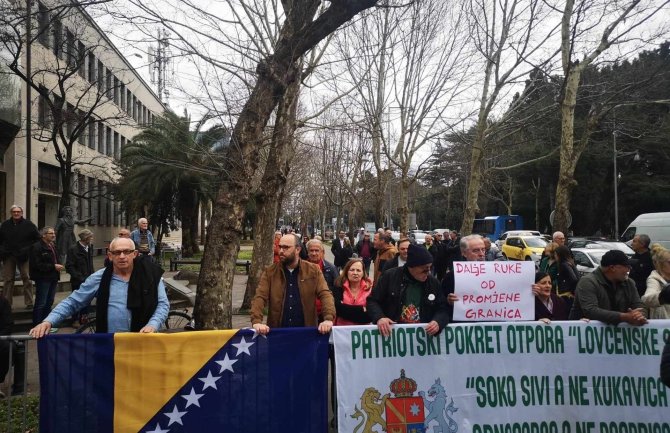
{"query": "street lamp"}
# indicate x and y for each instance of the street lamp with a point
(615, 155)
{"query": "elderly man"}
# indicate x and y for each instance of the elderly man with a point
(45, 271)
(130, 295)
(315, 254)
(558, 238)
(17, 235)
(643, 265)
(143, 237)
(289, 289)
(79, 263)
(409, 294)
(607, 294)
(472, 249)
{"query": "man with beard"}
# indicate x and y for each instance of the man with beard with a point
(289, 289)
(409, 294)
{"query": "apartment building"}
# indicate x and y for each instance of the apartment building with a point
(86, 103)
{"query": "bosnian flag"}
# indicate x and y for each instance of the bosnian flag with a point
(207, 381)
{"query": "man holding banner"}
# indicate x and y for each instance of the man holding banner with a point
(409, 294)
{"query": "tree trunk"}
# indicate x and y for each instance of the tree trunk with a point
(403, 209)
(475, 182)
(299, 33)
(272, 188)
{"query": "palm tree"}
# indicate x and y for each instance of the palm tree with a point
(169, 170)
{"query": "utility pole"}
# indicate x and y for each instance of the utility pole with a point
(160, 64)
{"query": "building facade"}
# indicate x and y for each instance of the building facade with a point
(78, 104)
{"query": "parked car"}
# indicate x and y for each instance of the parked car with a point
(587, 259)
(501, 241)
(600, 244)
(523, 248)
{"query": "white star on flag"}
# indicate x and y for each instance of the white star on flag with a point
(158, 429)
(192, 398)
(414, 409)
(175, 416)
(209, 381)
(226, 364)
(243, 347)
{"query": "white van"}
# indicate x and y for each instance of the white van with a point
(654, 225)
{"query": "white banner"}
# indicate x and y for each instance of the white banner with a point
(565, 377)
(494, 291)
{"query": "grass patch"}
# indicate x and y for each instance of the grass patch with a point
(32, 413)
(245, 255)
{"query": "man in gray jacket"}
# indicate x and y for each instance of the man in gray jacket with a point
(608, 295)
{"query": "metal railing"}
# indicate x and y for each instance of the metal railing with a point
(14, 363)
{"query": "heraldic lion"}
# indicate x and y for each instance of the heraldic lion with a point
(373, 408)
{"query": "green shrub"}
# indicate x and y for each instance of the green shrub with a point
(17, 413)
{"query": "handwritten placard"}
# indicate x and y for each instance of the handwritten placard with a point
(494, 291)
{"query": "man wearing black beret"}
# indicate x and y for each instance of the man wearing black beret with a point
(607, 294)
(409, 294)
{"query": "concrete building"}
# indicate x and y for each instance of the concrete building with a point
(86, 93)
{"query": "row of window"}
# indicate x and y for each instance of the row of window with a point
(65, 46)
(96, 135)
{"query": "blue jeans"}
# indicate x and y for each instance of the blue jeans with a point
(45, 291)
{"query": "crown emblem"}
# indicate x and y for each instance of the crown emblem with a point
(403, 386)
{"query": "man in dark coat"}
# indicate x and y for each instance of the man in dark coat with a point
(79, 263)
(17, 235)
(640, 270)
(341, 250)
(409, 294)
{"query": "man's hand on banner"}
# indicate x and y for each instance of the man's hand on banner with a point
(261, 328)
(40, 330)
(384, 326)
(432, 328)
(325, 326)
(147, 330)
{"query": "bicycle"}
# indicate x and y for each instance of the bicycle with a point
(176, 319)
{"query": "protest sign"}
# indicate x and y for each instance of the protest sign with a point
(494, 291)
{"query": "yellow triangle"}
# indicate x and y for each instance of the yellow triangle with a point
(151, 368)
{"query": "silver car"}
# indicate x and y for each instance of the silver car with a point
(587, 259)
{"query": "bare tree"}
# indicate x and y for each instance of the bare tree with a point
(616, 24)
(508, 37)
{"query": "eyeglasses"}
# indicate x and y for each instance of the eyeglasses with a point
(124, 252)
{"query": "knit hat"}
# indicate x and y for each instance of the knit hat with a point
(418, 256)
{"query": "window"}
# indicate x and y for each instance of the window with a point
(57, 30)
(81, 59)
(115, 91)
(70, 54)
(43, 110)
(108, 141)
(100, 76)
(92, 135)
(69, 120)
(83, 135)
(43, 24)
(129, 103)
(93, 200)
(122, 145)
(101, 138)
(122, 91)
(82, 203)
(116, 145)
(108, 83)
(91, 68)
(48, 178)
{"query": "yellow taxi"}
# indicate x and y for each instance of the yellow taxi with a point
(524, 248)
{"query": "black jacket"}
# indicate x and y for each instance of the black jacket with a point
(342, 253)
(641, 270)
(352, 313)
(17, 239)
(387, 297)
(79, 264)
(665, 364)
(43, 262)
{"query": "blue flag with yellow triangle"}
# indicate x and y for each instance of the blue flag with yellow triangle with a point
(207, 381)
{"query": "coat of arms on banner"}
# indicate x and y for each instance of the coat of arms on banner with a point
(405, 412)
